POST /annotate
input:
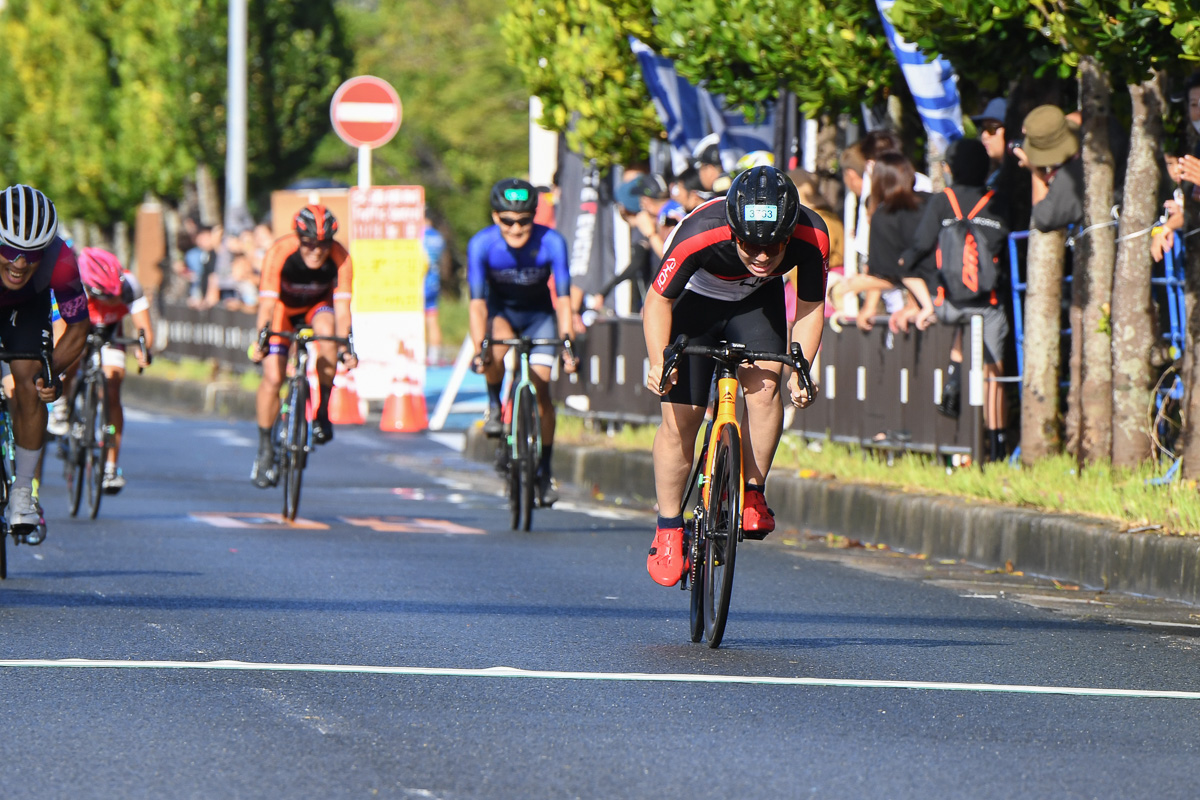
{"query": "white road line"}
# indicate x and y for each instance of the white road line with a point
(634, 677)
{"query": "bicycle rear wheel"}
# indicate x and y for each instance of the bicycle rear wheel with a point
(96, 433)
(526, 426)
(723, 524)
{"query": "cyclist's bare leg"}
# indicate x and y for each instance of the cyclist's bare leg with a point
(322, 325)
(114, 376)
(268, 390)
(540, 374)
(762, 418)
(674, 449)
(28, 411)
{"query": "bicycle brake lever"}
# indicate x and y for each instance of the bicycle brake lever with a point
(802, 370)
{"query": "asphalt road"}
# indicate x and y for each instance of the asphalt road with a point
(400, 641)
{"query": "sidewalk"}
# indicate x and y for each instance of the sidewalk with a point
(1095, 555)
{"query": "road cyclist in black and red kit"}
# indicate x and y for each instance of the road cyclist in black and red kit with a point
(721, 280)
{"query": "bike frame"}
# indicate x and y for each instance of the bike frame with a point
(725, 414)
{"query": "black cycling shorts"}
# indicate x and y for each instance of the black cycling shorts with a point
(22, 325)
(758, 321)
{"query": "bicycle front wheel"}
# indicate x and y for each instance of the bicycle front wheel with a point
(96, 435)
(293, 456)
(693, 531)
(74, 449)
(526, 430)
(723, 527)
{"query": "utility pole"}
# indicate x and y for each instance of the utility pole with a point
(235, 126)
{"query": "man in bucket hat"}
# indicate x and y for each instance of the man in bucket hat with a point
(1050, 151)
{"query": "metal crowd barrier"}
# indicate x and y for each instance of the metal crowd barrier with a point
(877, 389)
(218, 334)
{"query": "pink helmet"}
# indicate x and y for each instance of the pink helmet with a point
(100, 271)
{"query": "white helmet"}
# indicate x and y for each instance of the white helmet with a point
(27, 218)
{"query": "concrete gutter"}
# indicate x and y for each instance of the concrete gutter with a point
(1094, 554)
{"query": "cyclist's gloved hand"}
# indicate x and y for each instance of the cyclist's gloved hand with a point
(349, 359)
(479, 362)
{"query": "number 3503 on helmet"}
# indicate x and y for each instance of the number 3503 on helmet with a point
(762, 206)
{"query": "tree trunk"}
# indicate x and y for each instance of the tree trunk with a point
(1132, 323)
(1094, 256)
(1040, 435)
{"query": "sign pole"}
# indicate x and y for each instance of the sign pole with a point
(364, 166)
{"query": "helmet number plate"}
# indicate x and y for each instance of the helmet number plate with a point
(760, 213)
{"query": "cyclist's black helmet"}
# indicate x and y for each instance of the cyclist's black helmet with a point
(762, 206)
(514, 194)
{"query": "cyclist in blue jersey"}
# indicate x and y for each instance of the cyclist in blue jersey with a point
(509, 266)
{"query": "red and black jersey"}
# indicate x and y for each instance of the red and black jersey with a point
(702, 257)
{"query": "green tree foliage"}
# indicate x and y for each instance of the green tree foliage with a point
(832, 53)
(976, 37)
(92, 112)
(466, 110)
(575, 56)
(297, 56)
(119, 98)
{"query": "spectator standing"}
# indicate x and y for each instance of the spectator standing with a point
(1007, 178)
(1050, 151)
(706, 160)
(688, 190)
(810, 196)
(200, 260)
(966, 167)
(1186, 172)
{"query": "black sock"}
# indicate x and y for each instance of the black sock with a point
(544, 464)
(323, 409)
(264, 440)
(494, 394)
(751, 487)
(666, 523)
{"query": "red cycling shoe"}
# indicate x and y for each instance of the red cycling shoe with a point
(757, 519)
(668, 558)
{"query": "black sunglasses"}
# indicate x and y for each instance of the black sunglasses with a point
(515, 222)
(991, 127)
(770, 250)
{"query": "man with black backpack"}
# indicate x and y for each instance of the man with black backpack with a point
(965, 224)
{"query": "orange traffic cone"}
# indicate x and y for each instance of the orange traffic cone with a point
(344, 408)
(404, 411)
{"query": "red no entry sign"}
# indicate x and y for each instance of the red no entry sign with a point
(366, 111)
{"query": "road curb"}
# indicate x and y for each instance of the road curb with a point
(1073, 549)
(224, 399)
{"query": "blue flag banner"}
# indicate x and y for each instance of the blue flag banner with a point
(689, 113)
(932, 84)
